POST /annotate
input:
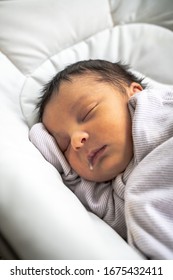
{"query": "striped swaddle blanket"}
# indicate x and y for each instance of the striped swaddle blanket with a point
(138, 203)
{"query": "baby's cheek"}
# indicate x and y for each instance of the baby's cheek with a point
(72, 159)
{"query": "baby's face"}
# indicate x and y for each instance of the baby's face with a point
(91, 124)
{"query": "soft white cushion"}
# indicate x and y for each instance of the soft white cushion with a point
(32, 31)
(154, 12)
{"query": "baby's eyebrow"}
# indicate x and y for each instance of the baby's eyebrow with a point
(76, 105)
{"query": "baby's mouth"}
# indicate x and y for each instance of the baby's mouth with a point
(94, 155)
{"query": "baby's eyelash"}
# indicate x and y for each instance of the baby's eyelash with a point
(88, 113)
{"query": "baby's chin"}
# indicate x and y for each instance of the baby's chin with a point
(106, 171)
(103, 175)
(98, 178)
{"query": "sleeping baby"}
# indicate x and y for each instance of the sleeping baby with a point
(110, 136)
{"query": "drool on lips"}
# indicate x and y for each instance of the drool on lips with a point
(92, 156)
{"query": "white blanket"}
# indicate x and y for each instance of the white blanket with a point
(138, 203)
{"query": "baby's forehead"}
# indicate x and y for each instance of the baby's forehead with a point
(80, 86)
(81, 81)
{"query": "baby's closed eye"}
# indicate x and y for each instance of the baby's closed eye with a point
(87, 113)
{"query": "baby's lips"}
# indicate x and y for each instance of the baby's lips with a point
(91, 157)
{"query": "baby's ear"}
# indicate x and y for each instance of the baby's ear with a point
(134, 88)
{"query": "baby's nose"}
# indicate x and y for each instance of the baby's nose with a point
(78, 139)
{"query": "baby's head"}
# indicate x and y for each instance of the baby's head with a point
(85, 108)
